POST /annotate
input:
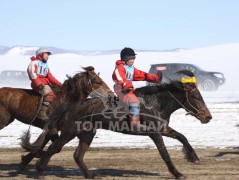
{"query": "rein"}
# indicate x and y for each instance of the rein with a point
(188, 111)
(90, 83)
(37, 112)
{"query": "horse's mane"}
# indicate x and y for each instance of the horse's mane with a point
(69, 90)
(172, 85)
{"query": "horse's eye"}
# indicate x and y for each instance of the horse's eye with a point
(196, 96)
(98, 81)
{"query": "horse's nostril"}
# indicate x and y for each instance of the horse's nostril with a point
(208, 118)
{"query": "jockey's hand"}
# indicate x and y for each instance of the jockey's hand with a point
(41, 87)
(127, 85)
(159, 76)
(126, 91)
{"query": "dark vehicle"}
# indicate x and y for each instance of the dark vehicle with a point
(207, 81)
(12, 78)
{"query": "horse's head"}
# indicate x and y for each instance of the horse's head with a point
(82, 84)
(95, 84)
(194, 103)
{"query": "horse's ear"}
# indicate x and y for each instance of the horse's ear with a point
(174, 82)
(89, 69)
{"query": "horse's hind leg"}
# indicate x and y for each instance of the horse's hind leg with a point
(26, 159)
(190, 154)
(158, 140)
(84, 144)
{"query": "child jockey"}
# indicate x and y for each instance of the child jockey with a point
(41, 77)
(123, 76)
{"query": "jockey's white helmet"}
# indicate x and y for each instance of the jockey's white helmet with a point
(43, 50)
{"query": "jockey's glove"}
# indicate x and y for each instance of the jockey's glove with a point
(41, 87)
(159, 76)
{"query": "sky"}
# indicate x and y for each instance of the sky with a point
(115, 24)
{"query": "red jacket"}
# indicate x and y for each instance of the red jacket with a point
(125, 75)
(39, 73)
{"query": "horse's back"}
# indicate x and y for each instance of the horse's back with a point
(15, 99)
(9, 91)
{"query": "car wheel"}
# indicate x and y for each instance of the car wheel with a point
(208, 85)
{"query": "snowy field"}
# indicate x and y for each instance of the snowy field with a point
(220, 132)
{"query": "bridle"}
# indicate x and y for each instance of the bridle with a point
(90, 83)
(187, 101)
(92, 77)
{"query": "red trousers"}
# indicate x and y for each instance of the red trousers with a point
(128, 98)
(48, 94)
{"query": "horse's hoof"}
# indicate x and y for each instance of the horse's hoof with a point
(194, 160)
(182, 177)
(92, 175)
(39, 167)
(21, 168)
(197, 162)
(96, 176)
(40, 175)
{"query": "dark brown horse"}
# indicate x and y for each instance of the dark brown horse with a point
(163, 99)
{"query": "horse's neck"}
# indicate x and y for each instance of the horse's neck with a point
(82, 97)
(170, 103)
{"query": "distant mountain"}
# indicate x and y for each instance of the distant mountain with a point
(30, 50)
(3, 47)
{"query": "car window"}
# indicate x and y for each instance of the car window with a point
(188, 67)
(152, 69)
(197, 67)
(174, 68)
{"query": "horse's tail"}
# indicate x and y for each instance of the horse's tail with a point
(35, 146)
(49, 128)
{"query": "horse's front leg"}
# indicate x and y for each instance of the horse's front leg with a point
(158, 140)
(84, 144)
(54, 148)
(190, 154)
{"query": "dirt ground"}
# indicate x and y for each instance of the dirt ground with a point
(127, 164)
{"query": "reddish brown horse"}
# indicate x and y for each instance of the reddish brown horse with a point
(22, 104)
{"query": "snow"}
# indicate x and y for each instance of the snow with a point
(220, 132)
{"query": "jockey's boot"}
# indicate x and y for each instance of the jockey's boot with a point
(43, 111)
(136, 127)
